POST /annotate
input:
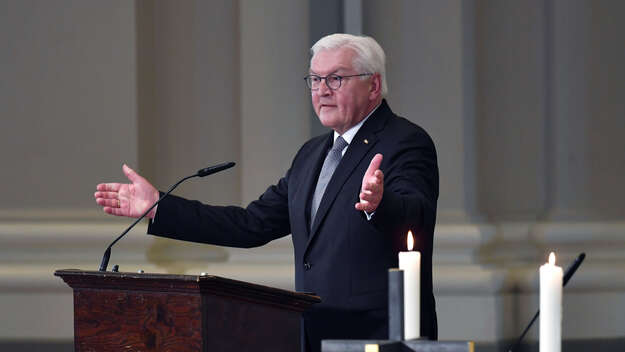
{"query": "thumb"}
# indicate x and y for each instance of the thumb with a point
(374, 165)
(131, 174)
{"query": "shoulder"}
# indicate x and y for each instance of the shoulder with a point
(392, 128)
(401, 130)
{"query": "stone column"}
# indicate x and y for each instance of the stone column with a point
(511, 109)
(585, 210)
(587, 112)
(431, 79)
(511, 124)
(275, 103)
(189, 115)
(430, 48)
(188, 91)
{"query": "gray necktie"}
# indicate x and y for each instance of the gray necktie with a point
(329, 165)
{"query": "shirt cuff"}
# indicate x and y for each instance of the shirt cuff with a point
(369, 216)
(153, 220)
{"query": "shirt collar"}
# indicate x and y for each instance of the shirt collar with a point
(351, 133)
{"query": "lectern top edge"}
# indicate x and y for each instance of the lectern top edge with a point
(192, 284)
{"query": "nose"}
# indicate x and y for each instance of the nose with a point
(324, 90)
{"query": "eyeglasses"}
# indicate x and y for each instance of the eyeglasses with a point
(333, 81)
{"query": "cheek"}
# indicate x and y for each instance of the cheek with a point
(344, 104)
(315, 102)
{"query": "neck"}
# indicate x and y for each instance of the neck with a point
(374, 104)
(365, 115)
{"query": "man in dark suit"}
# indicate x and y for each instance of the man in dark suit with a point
(348, 199)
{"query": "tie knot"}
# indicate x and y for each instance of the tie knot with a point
(339, 145)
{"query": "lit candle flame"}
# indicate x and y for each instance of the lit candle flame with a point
(552, 259)
(410, 240)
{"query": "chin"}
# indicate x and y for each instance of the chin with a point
(326, 121)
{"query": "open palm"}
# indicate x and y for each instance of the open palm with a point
(127, 199)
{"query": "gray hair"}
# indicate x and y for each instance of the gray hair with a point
(369, 57)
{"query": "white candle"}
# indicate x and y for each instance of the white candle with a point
(410, 263)
(550, 339)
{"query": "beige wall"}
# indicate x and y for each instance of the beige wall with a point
(189, 115)
(523, 100)
(69, 101)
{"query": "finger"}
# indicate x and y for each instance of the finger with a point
(365, 193)
(363, 205)
(112, 203)
(374, 164)
(373, 187)
(369, 181)
(107, 195)
(379, 175)
(374, 183)
(132, 175)
(114, 211)
(369, 197)
(376, 180)
(110, 187)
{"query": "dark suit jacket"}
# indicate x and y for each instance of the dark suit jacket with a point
(344, 258)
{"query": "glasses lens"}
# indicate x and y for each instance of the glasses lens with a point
(334, 81)
(313, 81)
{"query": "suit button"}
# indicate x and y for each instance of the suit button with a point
(307, 266)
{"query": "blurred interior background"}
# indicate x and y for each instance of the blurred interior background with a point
(525, 101)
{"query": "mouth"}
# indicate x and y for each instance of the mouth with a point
(326, 106)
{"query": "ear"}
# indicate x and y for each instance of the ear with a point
(375, 88)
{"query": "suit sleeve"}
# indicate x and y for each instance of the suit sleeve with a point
(410, 187)
(262, 221)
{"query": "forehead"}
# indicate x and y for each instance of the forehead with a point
(332, 60)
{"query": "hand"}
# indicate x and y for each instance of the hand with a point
(372, 186)
(130, 200)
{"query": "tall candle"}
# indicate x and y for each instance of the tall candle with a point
(410, 263)
(550, 338)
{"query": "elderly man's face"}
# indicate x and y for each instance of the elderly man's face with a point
(342, 108)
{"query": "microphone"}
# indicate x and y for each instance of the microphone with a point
(214, 169)
(573, 268)
(567, 276)
(200, 173)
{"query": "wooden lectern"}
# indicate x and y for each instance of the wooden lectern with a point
(159, 312)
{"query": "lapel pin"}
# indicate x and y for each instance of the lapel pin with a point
(366, 141)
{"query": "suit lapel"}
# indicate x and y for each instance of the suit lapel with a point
(362, 142)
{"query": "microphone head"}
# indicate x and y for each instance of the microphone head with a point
(573, 268)
(214, 169)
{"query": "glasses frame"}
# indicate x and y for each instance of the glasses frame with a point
(340, 79)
